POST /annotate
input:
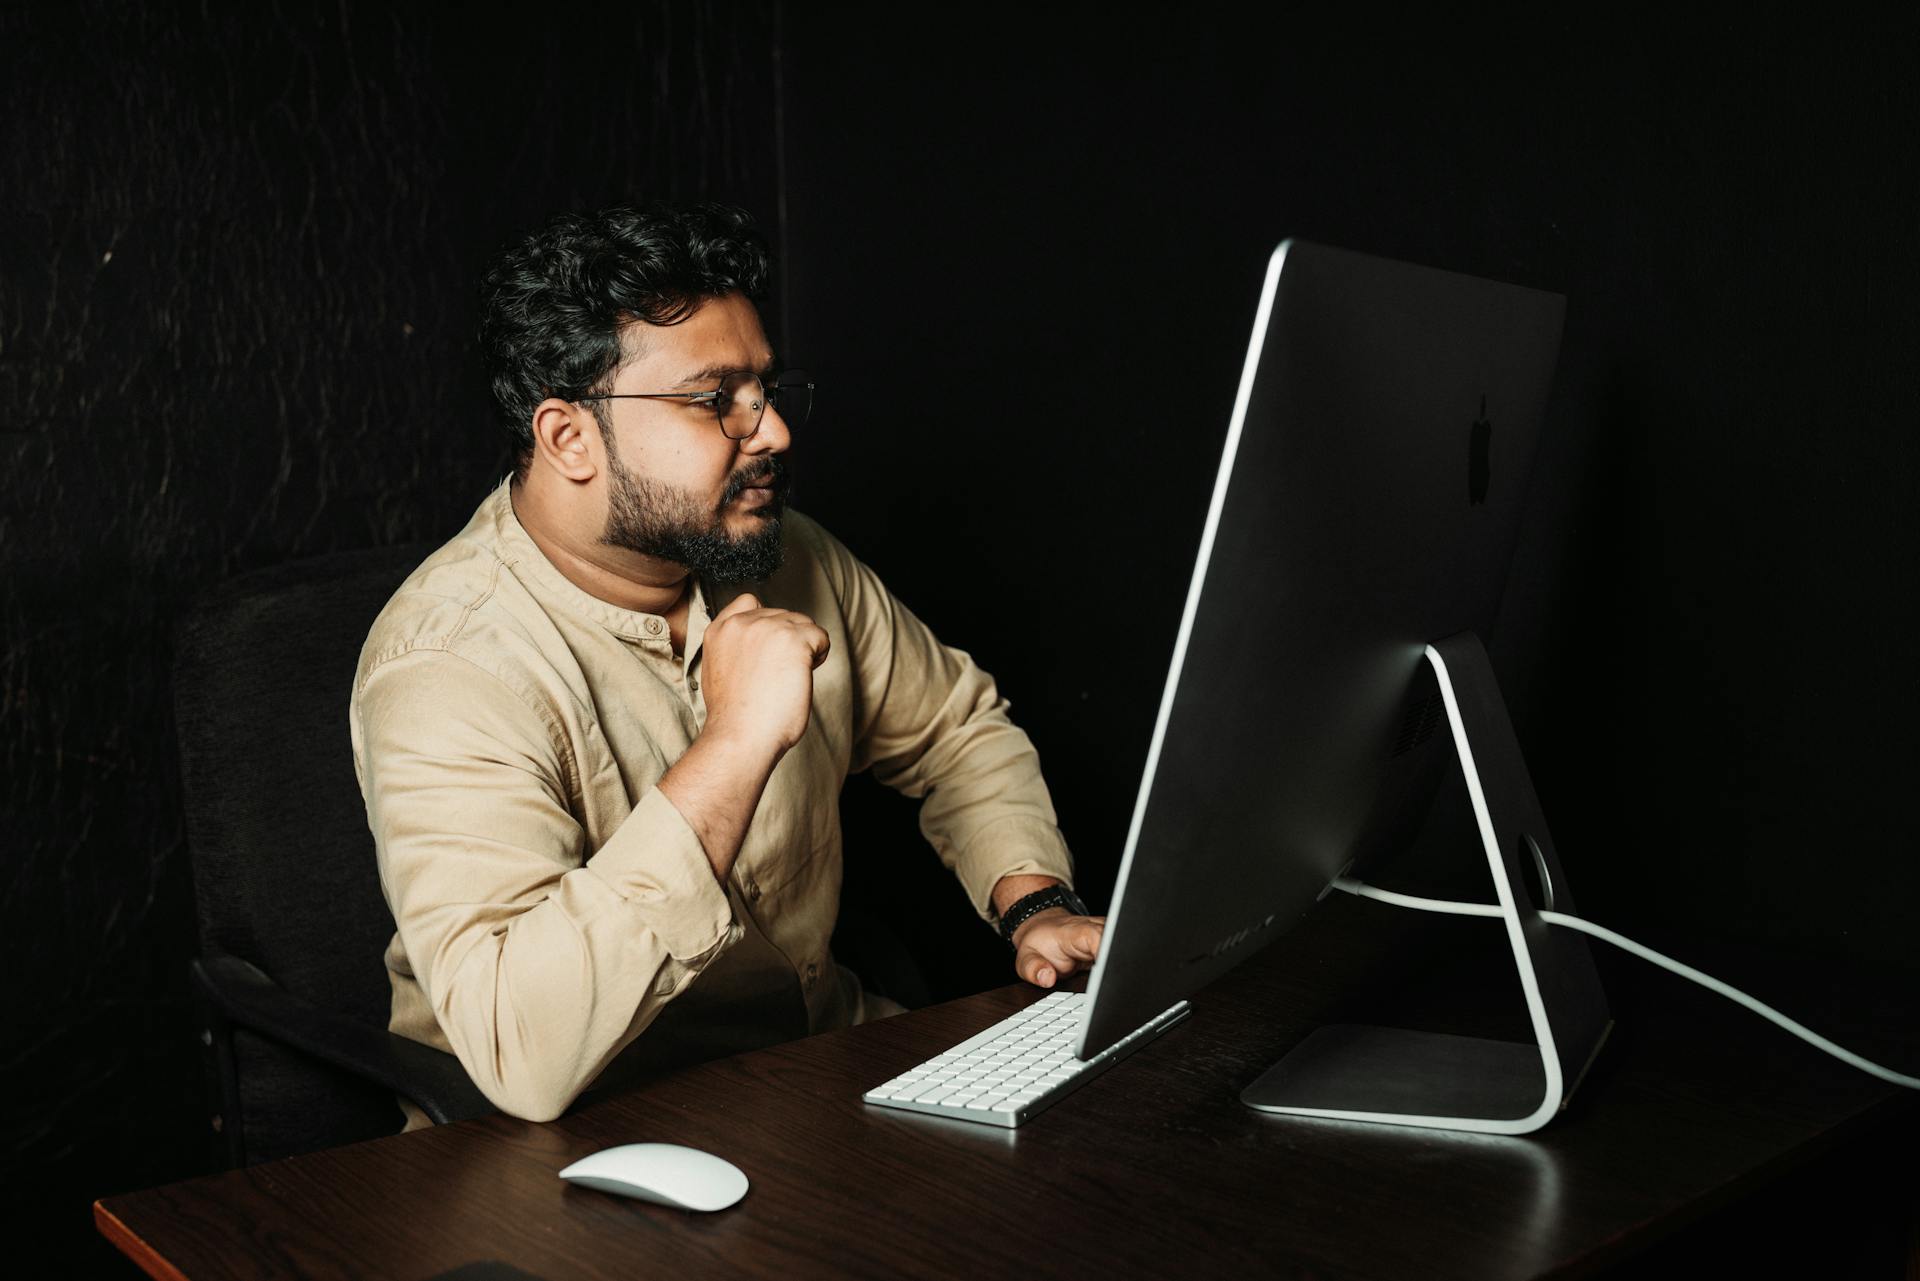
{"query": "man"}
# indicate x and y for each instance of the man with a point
(602, 733)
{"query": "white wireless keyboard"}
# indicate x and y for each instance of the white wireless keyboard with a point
(1017, 1068)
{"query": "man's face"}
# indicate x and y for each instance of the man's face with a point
(677, 487)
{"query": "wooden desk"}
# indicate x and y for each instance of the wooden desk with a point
(1154, 1169)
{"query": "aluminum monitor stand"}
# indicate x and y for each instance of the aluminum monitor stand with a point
(1446, 1082)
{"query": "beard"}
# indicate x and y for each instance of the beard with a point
(672, 524)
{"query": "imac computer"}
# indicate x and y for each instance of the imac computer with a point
(1327, 673)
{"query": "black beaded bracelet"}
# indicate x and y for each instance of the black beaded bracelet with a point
(1037, 902)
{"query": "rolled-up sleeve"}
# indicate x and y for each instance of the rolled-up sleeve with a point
(541, 959)
(930, 723)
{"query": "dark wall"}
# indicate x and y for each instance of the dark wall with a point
(238, 248)
(1025, 259)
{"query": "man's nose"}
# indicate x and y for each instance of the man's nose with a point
(771, 437)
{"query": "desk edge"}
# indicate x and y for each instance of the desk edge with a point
(130, 1244)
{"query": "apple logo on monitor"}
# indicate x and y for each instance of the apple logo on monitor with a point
(1479, 461)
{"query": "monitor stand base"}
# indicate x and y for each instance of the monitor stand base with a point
(1399, 1077)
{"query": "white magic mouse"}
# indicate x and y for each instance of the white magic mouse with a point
(664, 1173)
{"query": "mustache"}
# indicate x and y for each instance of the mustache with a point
(770, 471)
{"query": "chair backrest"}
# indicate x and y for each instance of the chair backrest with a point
(283, 863)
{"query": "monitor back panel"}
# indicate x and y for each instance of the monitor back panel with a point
(1368, 501)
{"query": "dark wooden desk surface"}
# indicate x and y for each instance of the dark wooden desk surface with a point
(1153, 1169)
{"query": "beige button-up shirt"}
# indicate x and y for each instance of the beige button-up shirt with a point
(509, 731)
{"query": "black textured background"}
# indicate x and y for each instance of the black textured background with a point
(1033, 252)
(238, 246)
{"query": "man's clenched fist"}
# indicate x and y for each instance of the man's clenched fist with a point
(758, 666)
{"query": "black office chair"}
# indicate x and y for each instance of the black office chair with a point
(292, 921)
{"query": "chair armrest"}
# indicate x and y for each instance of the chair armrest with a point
(434, 1080)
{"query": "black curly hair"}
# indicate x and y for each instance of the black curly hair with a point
(552, 305)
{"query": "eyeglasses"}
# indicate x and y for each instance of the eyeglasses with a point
(740, 401)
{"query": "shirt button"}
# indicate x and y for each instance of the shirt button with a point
(653, 626)
(753, 891)
(694, 685)
(813, 975)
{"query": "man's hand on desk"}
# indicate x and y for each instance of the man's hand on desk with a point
(1055, 943)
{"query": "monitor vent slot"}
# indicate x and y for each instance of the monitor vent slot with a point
(1425, 711)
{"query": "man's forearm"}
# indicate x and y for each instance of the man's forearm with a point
(716, 786)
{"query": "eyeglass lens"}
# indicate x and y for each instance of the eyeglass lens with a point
(743, 399)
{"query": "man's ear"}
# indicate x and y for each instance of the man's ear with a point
(566, 439)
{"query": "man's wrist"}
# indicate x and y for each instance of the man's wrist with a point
(1055, 897)
(1009, 890)
(739, 752)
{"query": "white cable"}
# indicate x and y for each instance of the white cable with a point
(1601, 932)
(1365, 890)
